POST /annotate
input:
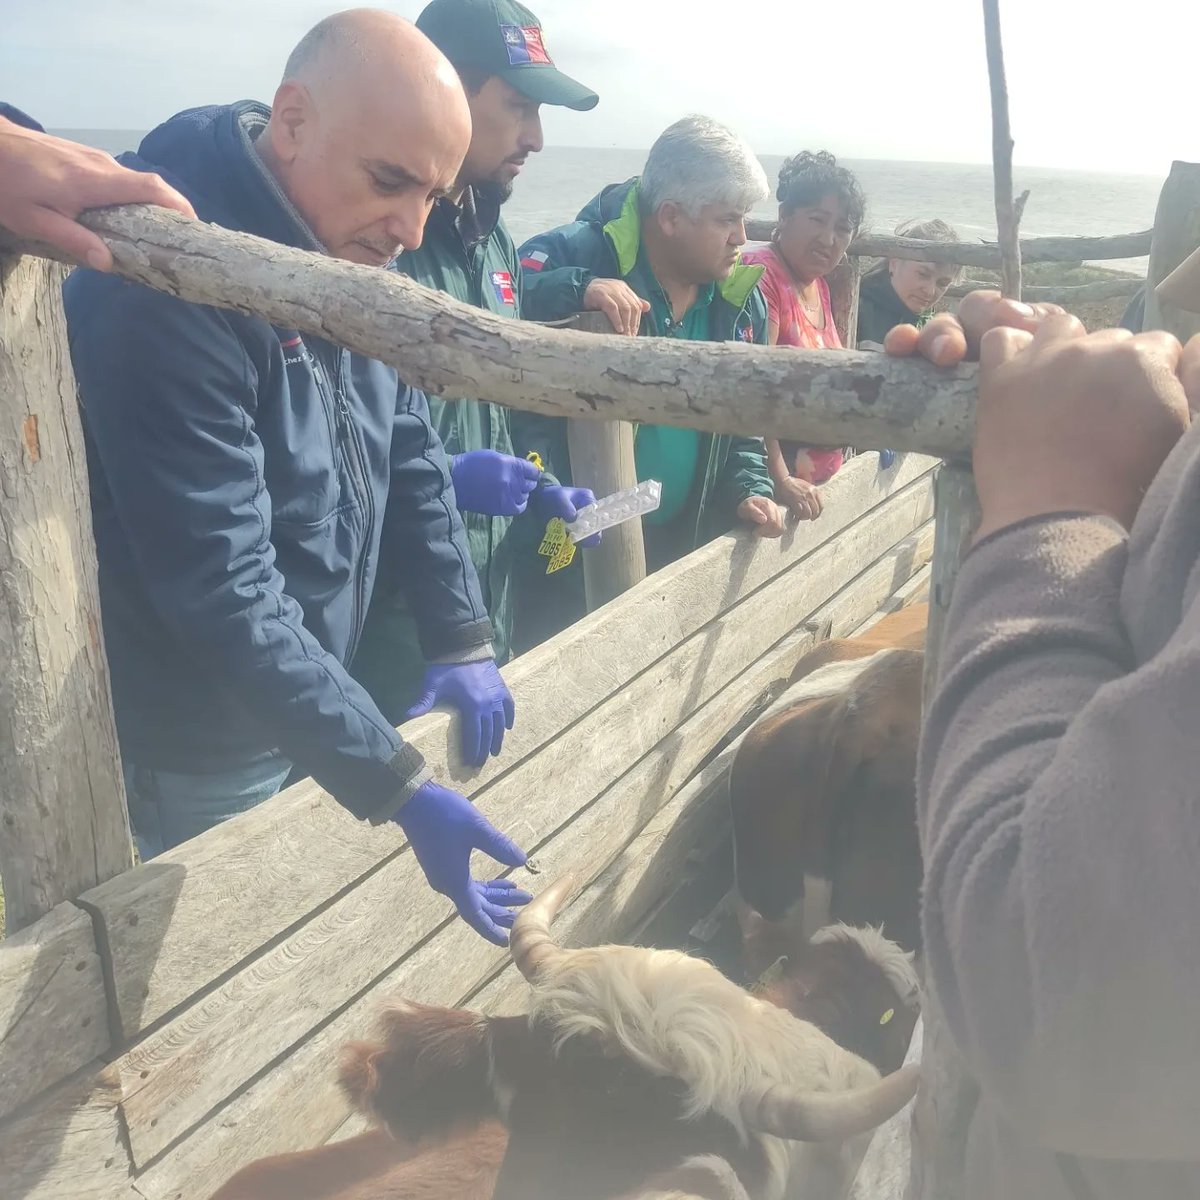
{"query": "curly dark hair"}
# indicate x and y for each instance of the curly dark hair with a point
(806, 177)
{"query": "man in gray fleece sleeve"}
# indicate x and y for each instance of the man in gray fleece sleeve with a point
(1059, 778)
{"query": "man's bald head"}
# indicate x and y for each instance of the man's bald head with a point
(369, 127)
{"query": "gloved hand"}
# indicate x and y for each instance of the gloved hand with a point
(565, 502)
(485, 706)
(495, 484)
(443, 828)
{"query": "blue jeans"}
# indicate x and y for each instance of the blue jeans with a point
(166, 808)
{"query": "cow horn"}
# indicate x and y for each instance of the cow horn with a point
(800, 1116)
(531, 945)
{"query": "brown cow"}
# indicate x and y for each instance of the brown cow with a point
(639, 1074)
(823, 794)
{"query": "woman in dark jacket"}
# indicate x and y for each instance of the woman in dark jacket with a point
(901, 291)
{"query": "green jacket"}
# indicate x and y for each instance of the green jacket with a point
(604, 242)
(467, 253)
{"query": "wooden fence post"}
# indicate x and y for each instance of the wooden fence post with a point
(63, 822)
(1176, 235)
(843, 293)
(602, 459)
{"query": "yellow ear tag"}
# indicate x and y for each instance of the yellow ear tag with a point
(887, 1016)
(534, 457)
(557, 546)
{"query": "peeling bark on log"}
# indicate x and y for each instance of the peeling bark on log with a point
(865, 400)
(985, 254)
(63, 824)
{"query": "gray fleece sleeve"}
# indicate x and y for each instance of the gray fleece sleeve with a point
(1059, 808)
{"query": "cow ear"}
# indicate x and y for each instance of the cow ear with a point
(430, 1072)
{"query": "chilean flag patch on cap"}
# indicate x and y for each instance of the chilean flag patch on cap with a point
(524, 45)
(502, 284)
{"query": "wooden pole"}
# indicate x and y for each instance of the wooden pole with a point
(843, 293)
(1176, 235)
(451, 349)
(63, 823)
(602, 459)
(948, 1095)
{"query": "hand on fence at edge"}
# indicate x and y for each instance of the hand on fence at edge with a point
(801, 498)
(618, 302)
(763, 515)
(484, 703)
(46, 182)
(444, 828)
(948, 339)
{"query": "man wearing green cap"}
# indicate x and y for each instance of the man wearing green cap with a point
(499, 51)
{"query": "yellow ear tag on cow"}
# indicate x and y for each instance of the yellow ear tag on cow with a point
(887, 1016)
(557, 546)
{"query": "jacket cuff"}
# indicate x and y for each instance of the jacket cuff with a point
(409, 764)
(479, 654)
(457, 644)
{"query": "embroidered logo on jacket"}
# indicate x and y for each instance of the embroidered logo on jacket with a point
(746, 333)
(525, 45)
(502, 285)
(295, 352)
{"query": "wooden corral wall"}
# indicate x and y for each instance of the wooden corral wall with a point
(183, 1018)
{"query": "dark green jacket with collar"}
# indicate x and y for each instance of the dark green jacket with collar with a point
(603, 242)
(467, 253)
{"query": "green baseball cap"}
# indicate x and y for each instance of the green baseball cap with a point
(504, 38)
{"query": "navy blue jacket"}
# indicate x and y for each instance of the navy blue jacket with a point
(17, 117)
(240, 479)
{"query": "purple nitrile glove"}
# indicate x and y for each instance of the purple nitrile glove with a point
(443, 829)
(565, 502)
(495, 484)
(485, 706)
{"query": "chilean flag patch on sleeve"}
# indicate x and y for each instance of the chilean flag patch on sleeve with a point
(524, 45)
(535, 261)
(502, 285)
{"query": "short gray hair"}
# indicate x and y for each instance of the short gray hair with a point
(699, 161)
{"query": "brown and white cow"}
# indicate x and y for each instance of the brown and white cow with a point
(823, 794)
(638, 1075)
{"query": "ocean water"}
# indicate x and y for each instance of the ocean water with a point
(560, 180)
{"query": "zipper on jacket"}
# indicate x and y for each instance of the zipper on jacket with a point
(362, 485)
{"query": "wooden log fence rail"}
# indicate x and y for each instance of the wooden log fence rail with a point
(448, 348)
(985, 254)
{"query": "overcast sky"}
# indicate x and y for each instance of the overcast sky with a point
(867, 78)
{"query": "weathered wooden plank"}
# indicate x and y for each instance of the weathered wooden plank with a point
(194, 913)
(62, 801)
(1084, 293)
(296, 1104)
(53, 1013)
(452, 349)
(957, 509)
(178, 1074)
(67, 1146)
